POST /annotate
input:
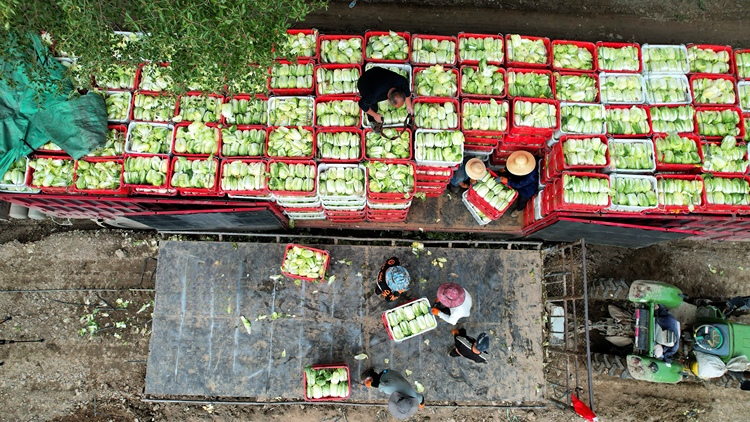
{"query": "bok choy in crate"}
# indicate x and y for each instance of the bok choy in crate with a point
(337, 113)
(194, 173)
(390, 178)
(242, 142)
(242, 176)
(585, 190)
(146, 170)
(727, 157)
(292, 177)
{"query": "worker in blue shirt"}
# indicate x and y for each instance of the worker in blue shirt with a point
(522, 175)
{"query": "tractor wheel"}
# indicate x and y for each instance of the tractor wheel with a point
(609, 289)
(610, 365)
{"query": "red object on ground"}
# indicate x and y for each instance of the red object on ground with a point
(582, 410)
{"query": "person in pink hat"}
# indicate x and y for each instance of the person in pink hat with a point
(453, 303)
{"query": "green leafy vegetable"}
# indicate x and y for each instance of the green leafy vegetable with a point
(154, 108)
(390, 178)
(337, 113)
(727, 157)
(194, 173)
(337, 81)
(582, 118)
(292, 177)
(115, 145)
(620, 89)
(665, 59)
(291, 76)
(586, 151)
(290, 142)
(482, 80)
(529, 84)
(435, 81)
(304, 262)
(627, 155)
(667, 89)
(199, 108)
(627, 121)
(576, 88)
(52, 172)
(618, 58)
(242, 142)
(585, 190)
(496, 194)
(675, 149)
(537, 115)
(197, 138)
(242, 176)
(633, 191)
(718, 122)
(387, 47)
(342, 181)
(377, 146)
(443, 146)
(727, 191)
(291, 111)
(245, 112)
(678, 192)
(436, 115)
(345, 51)
(672, 119)
(571, 56)
(713, 91)
(707, 60)
(526, 50)
(491, 116)
(146, 171)
(100, 175)
(478, 48)
(433, 51)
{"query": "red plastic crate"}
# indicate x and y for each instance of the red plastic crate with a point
(523, 130)
(654, 132)
(243, 127)
(314, 192)
(440, 100)
(214, 191)
(463, 94)
(479, 141)
(620, 45)
(31, 170)
(528, 212)
(214, 126)
(370, 34)
(384, 216)
(358, 132)
(737, 110)
(511, 63)
(713, 76)
(138, 76)
(326, 262)
(591, 47)
(390, 160)
(151, 94)
(735, 70)
(228, 99)
(556, 200)
(337, 38)
(198, 94)
(746, 116)
(685, 168)
(431, 186)
(535, 141)
(537, 71)
(484, 206)
(391, 196)
(723, 174)
(306, 32)
(556, 156)
(121, 191)
(638, 135)
(292, 91)
(242, 192)
(120, 128)
(723, 208)
(479, 149)
(424, 179)
(415, 72)
(150, 189)
(476, 132)
(330, 98)
(556, 75)
(307, 157)
(470, 35)
(716, 49)
(348, 95)
(433, 37)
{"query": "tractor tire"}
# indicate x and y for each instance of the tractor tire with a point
(610, 365)
(607, 289)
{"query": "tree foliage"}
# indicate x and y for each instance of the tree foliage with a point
(209, 44)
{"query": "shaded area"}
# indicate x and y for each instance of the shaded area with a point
(200, 348)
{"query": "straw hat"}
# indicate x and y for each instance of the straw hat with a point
(402, 406)
(521, 163)
(451, 294)
(475, 169)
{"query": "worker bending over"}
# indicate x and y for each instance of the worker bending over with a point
(379, 84)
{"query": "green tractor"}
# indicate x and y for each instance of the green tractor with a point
(666, 333)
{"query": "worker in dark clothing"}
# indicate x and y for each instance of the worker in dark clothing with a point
(404, 401)
(473, 349)
(379, 84)
(521, 174)
(393, 280)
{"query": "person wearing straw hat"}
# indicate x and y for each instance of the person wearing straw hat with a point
(453, 303)
(470, 348)
(521, 174)
(393, 280)
(468, 172)
(404, 401)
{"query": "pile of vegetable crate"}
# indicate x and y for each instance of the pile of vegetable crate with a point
(409, 320)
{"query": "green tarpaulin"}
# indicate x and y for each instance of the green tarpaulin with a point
(34, 114)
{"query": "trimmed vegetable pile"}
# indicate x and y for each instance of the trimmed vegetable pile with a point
(708, 61)
(343, 51)
(196, 138)
(433, 51)
(525, 50)
(571, 56)
(290, 142)
(713, 91)
(291, 111)
(727, 157)
(718, 123)
(116, 77)
(529, 84)
(435, 81)
(154, 108)
(337, 81)
(291, 76)
(339, 145)
(445, 146)
(390, 178)
(632, 155)
(292, 177)
(492, 116)
(436, 115)
(678, 192)
(52, 172)
(621, 88)
(576, 88)
(199, 108)
(585, 190)
(323, 383)
(743, 65)
(727, 191)
(627, 121)
(410, 320)
(242, 142)
(666, 89)
(301, 45)
(579, 118)
(114, 146)
(241, 176)
(496, 194)
(342, 181)
(633, 192)
(618, 58)
(100, 175)
(587, 151)
(304, 262)
(486, 80)
(538, 115)
(672, 119)
(477, 48)
(377, 146)
(154, 79)
(195, 174)
(150, 139)
(387, 47)
(118, 105)
(245, 112)
(665, 59)
(16, 174)
(744, 96)
(675, 149)
(146, 171)
(337, 113)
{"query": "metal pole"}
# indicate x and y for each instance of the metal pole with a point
(586, 319)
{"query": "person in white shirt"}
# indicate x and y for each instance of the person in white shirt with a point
(453, 303)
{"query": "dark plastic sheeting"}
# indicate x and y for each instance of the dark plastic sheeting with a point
(212, 221)
(601, 234)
